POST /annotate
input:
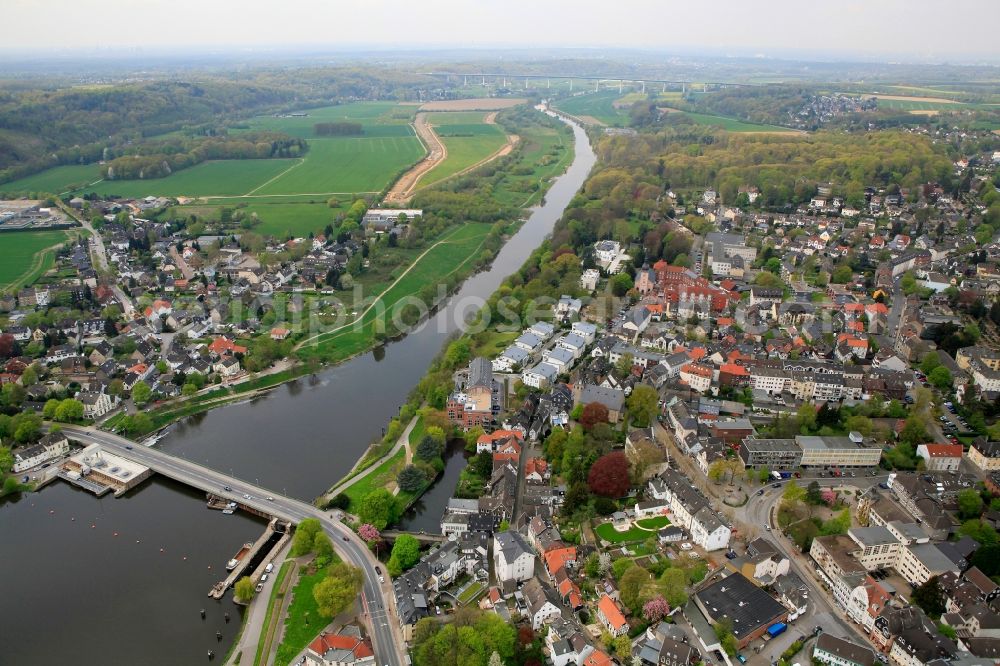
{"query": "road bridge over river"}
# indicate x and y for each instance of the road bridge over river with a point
(377, 597)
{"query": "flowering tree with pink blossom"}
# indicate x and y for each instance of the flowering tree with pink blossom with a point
(369, 533)
(656, 609)
(829, 497)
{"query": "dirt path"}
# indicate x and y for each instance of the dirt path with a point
(406, 186)
(403, 188)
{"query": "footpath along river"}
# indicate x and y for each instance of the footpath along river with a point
(73, 593)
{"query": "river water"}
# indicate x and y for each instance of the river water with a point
(70, 593)
(301, 437)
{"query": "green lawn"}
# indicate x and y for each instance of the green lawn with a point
(470, 593)
(654, 523)
(304, 621)
(23, 256)
(598, 105)
(607, 532)
(380, 477)
(546, 152)
(468, 140)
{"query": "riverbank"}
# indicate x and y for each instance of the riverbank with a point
(469, 249)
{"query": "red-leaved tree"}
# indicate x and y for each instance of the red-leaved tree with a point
(609, 476)
(593, 413)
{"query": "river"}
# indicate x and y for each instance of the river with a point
(72, 593)
(303, 436)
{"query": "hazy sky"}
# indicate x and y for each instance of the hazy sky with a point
(917, 29)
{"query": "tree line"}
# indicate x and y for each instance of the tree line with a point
(160, 159)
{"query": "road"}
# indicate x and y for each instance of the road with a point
(101, 254)
(822, 608)
(376, 597)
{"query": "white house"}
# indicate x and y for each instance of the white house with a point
(95, 404)
(589, 279)
(574, 343)
(511, 358)
(51, 446)
(585, 330)
(513, 558)
(560, 357)
(540, 376)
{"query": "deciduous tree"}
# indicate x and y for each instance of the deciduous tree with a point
(592, 414)
(609, 475)
(405, 553)
(338, 591)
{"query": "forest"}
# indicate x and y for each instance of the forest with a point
(46, 123)
(161, 158)
(786, 167)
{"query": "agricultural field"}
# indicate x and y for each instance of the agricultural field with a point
(732, 124)
(55, 180)
(216, 178)
(922, 103)
(25, 256)
(467, 137)
(598, 106)
(337, 164)
(346, 165)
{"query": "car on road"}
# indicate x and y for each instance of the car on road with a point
(742, 659)
(760, 492)
(227, 489)
(260, 587)
(269, 498)
(775, 485)
(128, 447)
(381, 579)
(269, 568)
(263, 578)
(767, 527)
(245, 496)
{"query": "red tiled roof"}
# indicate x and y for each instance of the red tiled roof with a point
(610, 612)
(945, 450)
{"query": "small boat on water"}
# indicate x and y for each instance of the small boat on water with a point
(235, 562)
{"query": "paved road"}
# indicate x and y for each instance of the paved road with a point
(376, 597)
(101, 253)
(822, 609)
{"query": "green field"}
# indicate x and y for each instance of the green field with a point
(468, 140)
(460, 246)
(23, 256)
(55, 180)
(731, 124)
(596, 105)
(346, 165)
(333, 165)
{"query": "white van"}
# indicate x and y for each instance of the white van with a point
(269, 568)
